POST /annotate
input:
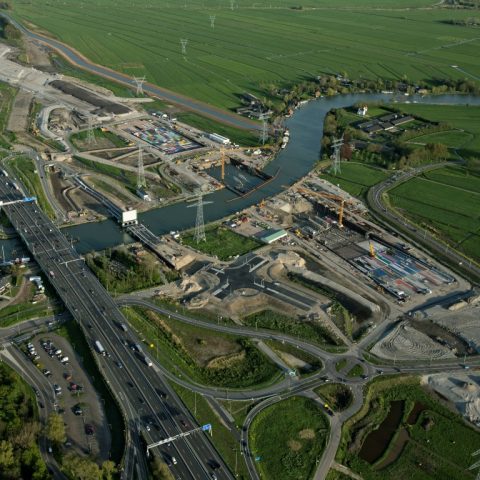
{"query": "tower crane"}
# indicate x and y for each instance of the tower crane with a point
(332, 196)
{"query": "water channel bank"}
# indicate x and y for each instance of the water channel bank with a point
(292, 163)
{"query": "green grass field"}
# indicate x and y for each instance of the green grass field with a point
(254, 45)
(222, 242)
(446, 201)
(308, 330)
(356, 178)
(288, 437)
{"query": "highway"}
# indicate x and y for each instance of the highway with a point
(142, 394)
(79, 60)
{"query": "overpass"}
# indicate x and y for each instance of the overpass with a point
(139, 390)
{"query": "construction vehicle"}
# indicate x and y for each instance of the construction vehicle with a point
(372, 250)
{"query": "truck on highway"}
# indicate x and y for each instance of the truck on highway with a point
(147, 361)
(99, 348)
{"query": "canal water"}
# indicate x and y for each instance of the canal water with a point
(291, 163)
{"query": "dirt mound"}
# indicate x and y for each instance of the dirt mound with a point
(294, 445)
(306, 434)
(226, 361)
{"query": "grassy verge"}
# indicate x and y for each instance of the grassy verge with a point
(294, 357)
(129, 178)
(223, 439)
(222, 242)
(206, 357)
(304, 329)
(73, 333)
(288, 438)
(238, 409)
(355, 371)
(242, 137)
(7, 97)
(439, 443)
(338, 396)
(199, 314)
(341, 364)
(24, 169)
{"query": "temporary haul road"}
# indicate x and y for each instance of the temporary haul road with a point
(141, 392)
(79, 60)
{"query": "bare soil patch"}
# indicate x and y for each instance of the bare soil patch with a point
(306, 434)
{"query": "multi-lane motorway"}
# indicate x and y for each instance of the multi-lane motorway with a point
(142, 394)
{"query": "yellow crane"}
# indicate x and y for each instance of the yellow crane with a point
(332, 196)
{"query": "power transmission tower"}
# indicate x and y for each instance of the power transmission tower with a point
(199, 222)
(183, 42)
(264, 132)
(337, 145)
(212, 21)
(139, 81)
(90, 132)
(141, 183)
(476, 464)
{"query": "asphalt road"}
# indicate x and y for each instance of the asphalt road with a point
(78, 60)
(138, 388)
(421, 236)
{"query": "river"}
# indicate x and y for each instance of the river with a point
(292, 163)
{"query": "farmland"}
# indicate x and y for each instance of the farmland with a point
(252, 47)
(465, 123)
(356, 178)
(446, 202)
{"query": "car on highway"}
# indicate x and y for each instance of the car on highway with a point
(118, 364)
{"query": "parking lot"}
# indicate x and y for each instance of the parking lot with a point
(86, 425)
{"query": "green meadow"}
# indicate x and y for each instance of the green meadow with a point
(255, 45)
